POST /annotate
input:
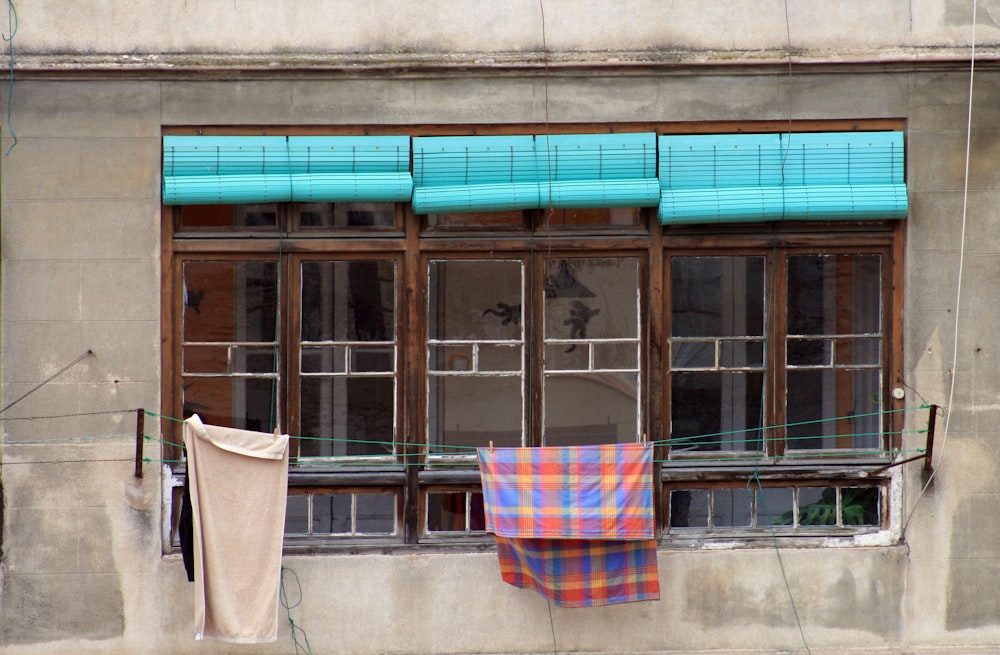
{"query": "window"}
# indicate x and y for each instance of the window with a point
(785, 348)
(390, 345)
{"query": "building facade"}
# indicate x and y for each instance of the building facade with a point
(758, 238)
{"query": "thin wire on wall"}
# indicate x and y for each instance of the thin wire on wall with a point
(12, 25)
(949, 403)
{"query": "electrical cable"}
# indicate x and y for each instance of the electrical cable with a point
(89, 353)
(12, 24)
(949, 404)
(777, 551)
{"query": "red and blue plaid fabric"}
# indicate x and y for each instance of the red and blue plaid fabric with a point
(581, 572)
(579, 492)
(575, 524)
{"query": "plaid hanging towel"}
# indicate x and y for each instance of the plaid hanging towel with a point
(575, 524)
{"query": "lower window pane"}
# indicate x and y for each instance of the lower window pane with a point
(833, 408)
(689, 508)
(774, 507)
(297, 514)
(347, 416)
(376, 514)
(243, 403)
(591, 408)
(716, 411)
(348, 214)
(817, 506)
(331, 514)
(455, 511)
(341, 514)
(731, 508)
(464, 412)
(860, 506)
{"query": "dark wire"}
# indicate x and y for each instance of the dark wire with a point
(52, 377)
(12, 23)
(302, 647)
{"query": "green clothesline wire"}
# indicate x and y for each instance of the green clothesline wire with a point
(701, 440)
(698, 461)
(676, 440)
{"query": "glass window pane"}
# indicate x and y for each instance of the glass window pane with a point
(324, 359)
(446, 511)
(348, 214)
(717, 296)
(253, 359)
(591, 409)
(834, 408)
(347, 416)
(860, 506)
(858, 352)
(244, 403)
(616, 356)
(376, 514)
(567, 357)
(689, 508)
(810, 352)
(474, 300)
(348, 300)
(834, 294)
(331, 514)
(741, 354)
(593, 298)
(716, 411)
(451, 357)
(230, 301)
(817, 506)
(206, 359)
(464, 412)
(500, 357)
(592, 216)
(692, 354)
(372, 359)
(297, 514)
(227, 216)
(774, 507)
(731, 508)
(508, 219)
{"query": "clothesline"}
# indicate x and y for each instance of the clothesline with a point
(463, 451)
(701, 439)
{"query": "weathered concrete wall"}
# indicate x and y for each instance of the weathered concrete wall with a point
(82, 569)
(320, 27)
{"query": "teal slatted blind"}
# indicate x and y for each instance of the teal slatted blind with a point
(237, 169)
(769, 177)
(459, 174)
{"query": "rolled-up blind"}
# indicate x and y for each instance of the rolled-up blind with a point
(238, 169)
(770, 177)
(456, 174)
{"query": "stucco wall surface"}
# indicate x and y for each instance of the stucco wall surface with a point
(464, 26)
(82, 569)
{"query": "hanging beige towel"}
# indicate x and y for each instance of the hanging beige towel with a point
(238, 481)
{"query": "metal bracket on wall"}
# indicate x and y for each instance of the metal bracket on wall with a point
(928, 447)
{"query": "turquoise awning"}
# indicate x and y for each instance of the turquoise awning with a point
(460, 174)
(771, 177)
(239, 169)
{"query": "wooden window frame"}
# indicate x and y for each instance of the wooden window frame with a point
(410, 242)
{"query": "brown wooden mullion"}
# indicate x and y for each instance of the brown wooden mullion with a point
(775, 385)
(170, 353)
(844, 291)
(412, 327)
(290, 344)
(892, 332)
(534, 335)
